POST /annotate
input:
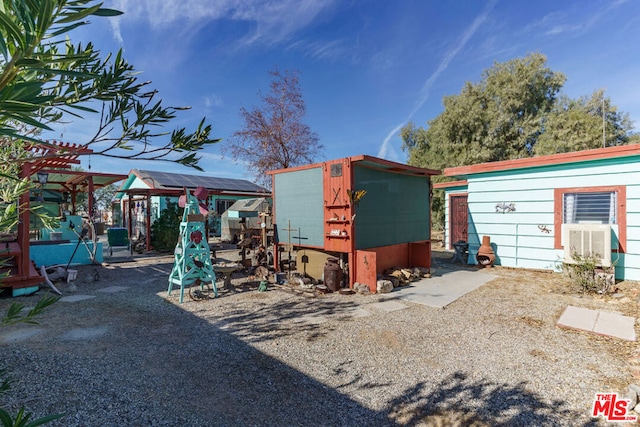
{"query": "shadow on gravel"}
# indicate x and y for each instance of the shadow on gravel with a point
(268, 322)
(160, 365)
(458, 400)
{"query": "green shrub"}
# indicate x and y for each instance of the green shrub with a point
(588, 275)
(165, 231)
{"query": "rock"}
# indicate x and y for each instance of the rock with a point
(618, 295)
(635, 388)
(361, 288)
(384, 286)
(632, 396)
(637, 408)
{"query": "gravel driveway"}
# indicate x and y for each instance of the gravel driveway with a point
(132, 356)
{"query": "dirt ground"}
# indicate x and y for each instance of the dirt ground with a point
(150, 271)
(625, 298)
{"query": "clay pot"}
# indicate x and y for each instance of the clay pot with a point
(485, 255)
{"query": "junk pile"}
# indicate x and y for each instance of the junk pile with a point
(397, 276)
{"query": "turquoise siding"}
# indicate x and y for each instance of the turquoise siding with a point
(299, 204)
(517, 236)
(394, 210)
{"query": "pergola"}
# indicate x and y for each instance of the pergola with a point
(51, 162)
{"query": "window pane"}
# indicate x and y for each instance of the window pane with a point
(598, 208)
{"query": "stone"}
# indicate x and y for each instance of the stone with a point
(632, 396)
(384, 286)
(361, 288)
(635, 388)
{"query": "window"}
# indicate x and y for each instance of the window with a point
(590, 208)
(222, 205)
(591, 205)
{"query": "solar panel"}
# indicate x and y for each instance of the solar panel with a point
(176, 180)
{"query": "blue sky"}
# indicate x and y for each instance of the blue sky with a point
(366, 66)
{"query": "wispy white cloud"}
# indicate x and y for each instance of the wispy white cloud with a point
(326, 51)
(212, 101)
(386, 150)
(573, 22)
(271, 22)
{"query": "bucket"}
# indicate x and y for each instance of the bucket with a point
(71, 275)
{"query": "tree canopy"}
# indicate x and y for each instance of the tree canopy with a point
(274, 135)
(45, 77)
(516, 110)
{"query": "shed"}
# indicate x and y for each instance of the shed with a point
(373, 214)
(533, 208)
(247, 209)
(149, 192)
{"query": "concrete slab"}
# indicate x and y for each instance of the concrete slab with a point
(76, 298)
(112, 289)
(616, 325)
(84, 333)
(21, 335)
(578, 318)
(599, 322)
(440, 291)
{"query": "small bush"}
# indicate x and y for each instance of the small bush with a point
(165, 231)
(586, 273)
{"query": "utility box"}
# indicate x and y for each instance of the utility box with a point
(371, 213)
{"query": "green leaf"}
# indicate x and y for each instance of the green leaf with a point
(28, 62)
(107, 12)
(67, 28)
(3, 48)
(81, 14)
(45, 17)
(45, 420)
(12, 29)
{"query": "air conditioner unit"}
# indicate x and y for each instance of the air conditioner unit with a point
(587, 240)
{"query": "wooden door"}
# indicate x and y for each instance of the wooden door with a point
(458, 219)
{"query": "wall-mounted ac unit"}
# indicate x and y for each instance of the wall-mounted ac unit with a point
(587, 240)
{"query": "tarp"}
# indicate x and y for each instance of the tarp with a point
(244, 209)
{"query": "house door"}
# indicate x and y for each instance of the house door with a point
(458, 219)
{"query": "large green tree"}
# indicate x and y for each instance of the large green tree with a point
(581, 124)
(498, 118)
(515, 110)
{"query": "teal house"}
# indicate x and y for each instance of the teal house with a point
(537, 211)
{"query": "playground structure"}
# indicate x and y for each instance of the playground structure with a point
(192, 267)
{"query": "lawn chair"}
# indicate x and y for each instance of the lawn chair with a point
(118, 238)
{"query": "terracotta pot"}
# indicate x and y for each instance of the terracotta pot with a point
(485, 255)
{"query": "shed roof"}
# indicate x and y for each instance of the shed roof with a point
(249, 205)
(169, 183)
(541, 161)
(372, 162)
(76, 181)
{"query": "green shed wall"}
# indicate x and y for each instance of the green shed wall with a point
(394, 210)
(298, 198)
